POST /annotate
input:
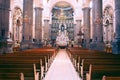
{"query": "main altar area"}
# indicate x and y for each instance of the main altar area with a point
(62, 39)
(62, 27)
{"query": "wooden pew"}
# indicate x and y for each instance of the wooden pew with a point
(54, 50)
(11, 76)
(77, 53)
(76, 48)
(77, 61)
(86, 63)
(25, 60)
(97, 71)
(50, 54)
(41, 61)
(39, 57)
(87, 53)
(42, 55)
(111, 78)
(29, 70)
(95, 56)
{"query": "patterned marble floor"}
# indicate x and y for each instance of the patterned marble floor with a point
(62, 68)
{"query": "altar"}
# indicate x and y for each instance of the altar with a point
(62, 39)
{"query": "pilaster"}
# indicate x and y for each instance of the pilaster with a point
(38, 23)
(86, 25)
(97, 36)
(46, 29)
(116, 41)
(27, 36)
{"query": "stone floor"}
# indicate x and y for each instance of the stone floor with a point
(62, 68)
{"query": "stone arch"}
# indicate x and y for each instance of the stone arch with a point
(17, 24)
(57, 1)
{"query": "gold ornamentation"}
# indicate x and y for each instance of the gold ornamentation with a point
(62, 15)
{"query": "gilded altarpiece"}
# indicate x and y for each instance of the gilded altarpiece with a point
(55, 28)
(62, 16)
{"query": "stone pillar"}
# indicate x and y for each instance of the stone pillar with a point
(77, 30)
(86, 25)
(98, 20)
(116, 41)
(27, 24)
(78, 27)
(4, 21)
(5, 40)
(46, 29)
(97, 36)
(93, 21)
(38, 23)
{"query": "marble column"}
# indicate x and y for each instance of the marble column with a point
(5, 40)
(116, 41)
(97, 34)
(27, 23)
(4, 19)
(38, 23)
(86, 25)
(98, 20)
(93, 21)
(46, 29)
(77, 27)
(77, 30)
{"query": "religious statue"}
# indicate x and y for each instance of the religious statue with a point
(62, 27)
(62, 38)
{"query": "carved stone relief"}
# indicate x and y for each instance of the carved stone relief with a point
(17, 24)
(108, 24)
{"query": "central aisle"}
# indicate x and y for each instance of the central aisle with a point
(62, 68)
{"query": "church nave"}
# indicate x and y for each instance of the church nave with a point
(62, 68)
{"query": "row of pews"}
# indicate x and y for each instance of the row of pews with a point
(26, 65)
(95, 65)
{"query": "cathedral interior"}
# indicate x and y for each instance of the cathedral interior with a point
(91, 24)
(59, 39)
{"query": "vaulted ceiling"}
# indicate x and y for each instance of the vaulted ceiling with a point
(62, 4)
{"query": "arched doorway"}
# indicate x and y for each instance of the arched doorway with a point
(62, 14)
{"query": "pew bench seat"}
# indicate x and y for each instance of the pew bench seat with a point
(86, 63)
(96, 72)
(111, 78)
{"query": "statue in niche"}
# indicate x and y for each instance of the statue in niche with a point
(17, 24)
(62, 28)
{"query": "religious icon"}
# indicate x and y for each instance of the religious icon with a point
(62, 27)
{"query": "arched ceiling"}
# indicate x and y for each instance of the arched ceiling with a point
(63, 9)
(62, 4)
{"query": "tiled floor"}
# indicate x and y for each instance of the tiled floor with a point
(62, 68)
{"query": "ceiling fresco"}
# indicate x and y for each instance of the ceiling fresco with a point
(62, 10)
